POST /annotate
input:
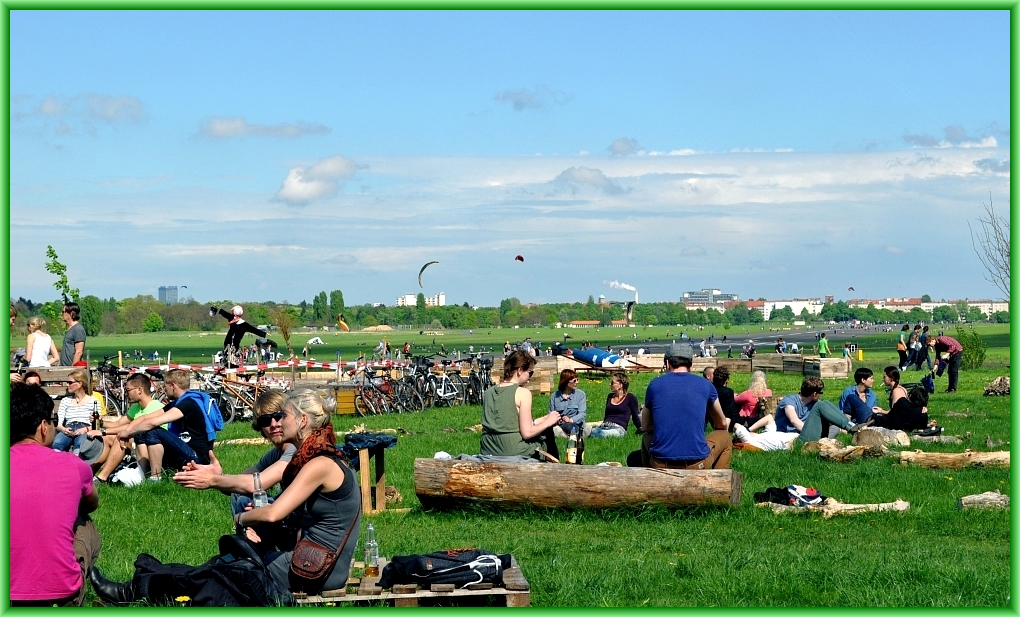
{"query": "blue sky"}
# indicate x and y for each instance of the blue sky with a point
(272, 155)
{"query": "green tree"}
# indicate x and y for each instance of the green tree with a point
(783, 314)
(804, 314)
(419, 302)
(336, 303)
(1000, 317)
(91, 315)
(53, 266)
(925, 298)
(755, 316)
(974, 348)
(320, 307)
(945, 314)
(974, 314)
(153, 323)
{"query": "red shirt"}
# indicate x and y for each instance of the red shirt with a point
(947, 343)
(46, 489)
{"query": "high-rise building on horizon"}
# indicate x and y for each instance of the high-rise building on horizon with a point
(168, 294)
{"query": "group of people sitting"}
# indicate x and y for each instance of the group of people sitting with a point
(678, 404)
(54, 545)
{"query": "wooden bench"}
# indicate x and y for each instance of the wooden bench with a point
(516, 591)
(55, 379)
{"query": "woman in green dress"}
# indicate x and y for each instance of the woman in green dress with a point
(507, 425)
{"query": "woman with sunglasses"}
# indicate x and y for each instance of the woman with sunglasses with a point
(507, 425)
(317, 485)
(571, 403)
(268, 417)
(74, 416)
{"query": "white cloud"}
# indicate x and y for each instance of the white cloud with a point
(624, 146)
(895, 250)
(114, 109)
(693, 251)
(537, 98)
(307, 184)
(226, 128)
(955, 137)
(53, 106)
(220, 250)
(584, 176)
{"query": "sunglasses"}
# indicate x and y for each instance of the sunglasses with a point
(266, 420)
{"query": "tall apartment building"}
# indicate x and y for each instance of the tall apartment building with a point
(168, 294)
(709, 296)
(412, 300)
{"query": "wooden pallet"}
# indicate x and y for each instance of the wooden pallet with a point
(516, 591)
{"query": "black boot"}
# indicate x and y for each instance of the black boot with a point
(109, 591)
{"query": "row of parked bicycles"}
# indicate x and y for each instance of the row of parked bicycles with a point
(420, 386)
(235, 395)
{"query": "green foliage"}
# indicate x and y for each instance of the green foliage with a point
(419, 302)
(1000, 317)
(975, 314)
(320, 308)
(51, 311)
(925, 298)
(738, 314)
(153, 323)
(336, 302)
(782, 314)
(91, 315)
(945, 314)
(53, 266)
(974, 348)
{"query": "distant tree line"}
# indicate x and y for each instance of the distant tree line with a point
(144, 313)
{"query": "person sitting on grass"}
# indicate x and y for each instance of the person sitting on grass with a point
(138, 389)
(621, 408)
(721, 379)
(571, 403)
(507, 425)
(74, 415)
(267, 422)
(53, 542)
(907, 412)
(165, 448)
(806, 413)
(673, 418)
(768, 440)
(858, 400)
(318, 486)
(749, 411)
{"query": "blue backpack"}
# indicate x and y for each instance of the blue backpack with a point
(213, 417)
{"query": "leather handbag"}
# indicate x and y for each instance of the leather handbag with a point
(312, 562)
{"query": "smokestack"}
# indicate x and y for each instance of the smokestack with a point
(635, 297)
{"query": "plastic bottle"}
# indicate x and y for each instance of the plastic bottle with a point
(572, 447)
(259, 498)
(371, 552)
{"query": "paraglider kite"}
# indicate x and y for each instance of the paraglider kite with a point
(342, 324)
(519, 258)
(422, 270)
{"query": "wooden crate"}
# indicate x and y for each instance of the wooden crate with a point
(736, 365)
(542, 382)
(700, 364)
(55, 379)
(793, 363)
(826, 368)
(516, 591)
(345, 395)
(768, 362)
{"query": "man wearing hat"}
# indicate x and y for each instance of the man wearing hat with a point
(673, 418)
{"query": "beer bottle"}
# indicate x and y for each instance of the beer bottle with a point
(371, 552)
(572, 446)
(580, 446)
(96, 422)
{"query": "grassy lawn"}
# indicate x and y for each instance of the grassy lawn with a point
(932, 555)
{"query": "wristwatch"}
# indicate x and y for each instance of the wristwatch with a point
(102, 431)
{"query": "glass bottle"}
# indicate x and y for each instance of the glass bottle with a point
(580, 447)
(572, 446)
(259, 498)
(371, 552)
(96, 422)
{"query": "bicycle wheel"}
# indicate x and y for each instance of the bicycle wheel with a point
(460, 389)
(474, 390)
(367, 404)
(228, 407)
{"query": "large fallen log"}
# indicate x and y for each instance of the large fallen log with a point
(939, 460)
(833, 450)
(831, 508)
(987, 500)
(878, 436)
(440, 483)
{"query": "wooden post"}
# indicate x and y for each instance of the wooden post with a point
(439, 482)
(120, 359)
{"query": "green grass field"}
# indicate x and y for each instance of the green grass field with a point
(932, 555)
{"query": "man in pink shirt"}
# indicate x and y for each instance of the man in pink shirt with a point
(53, 541)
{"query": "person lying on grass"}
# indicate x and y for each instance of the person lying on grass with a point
(768, 440)
(240, 487)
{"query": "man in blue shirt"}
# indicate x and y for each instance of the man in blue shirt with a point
(857, 401)
(673, 418)
(804, 413)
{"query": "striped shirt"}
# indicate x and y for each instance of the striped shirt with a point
(71, 411)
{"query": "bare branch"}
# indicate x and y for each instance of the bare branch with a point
(991, 243)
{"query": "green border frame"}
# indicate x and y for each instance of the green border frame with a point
(5, 28)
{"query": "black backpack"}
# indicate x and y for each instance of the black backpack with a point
(235, 577)
(459, 567)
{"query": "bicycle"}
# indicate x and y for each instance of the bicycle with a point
(236, 398)
(111, 385)
(374, 394)
(479, 380)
